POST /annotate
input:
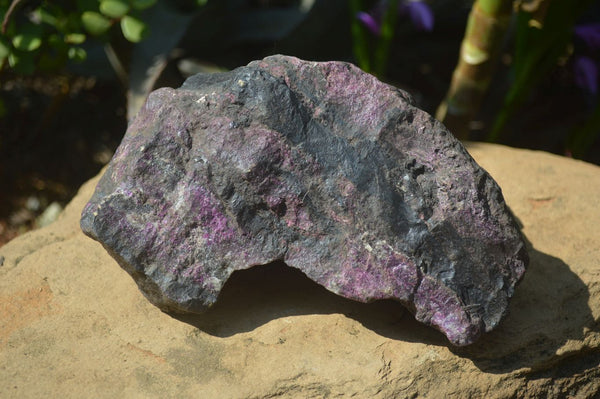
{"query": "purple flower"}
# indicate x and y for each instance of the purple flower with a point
(585, 65)
(370, 22)
(418, 11)
(420, 14)
(589, 34)
(586, 73)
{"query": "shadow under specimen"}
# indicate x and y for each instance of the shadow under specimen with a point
(549, 308)
(255, 296)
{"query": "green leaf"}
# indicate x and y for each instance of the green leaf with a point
(536, 52)
(44, 16)
(25, 42)
(87, 5)
(75, 38)
(50, 62)
(71, 23)
(114, 8)
(95, 23)
(29, 38)
(142, 4)
(4, 49)
(77, 54)
(56, 42)
(360, 46)
(22, 63)
(382, 50)
(133, 29)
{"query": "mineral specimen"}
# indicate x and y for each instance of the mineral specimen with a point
(319, 165)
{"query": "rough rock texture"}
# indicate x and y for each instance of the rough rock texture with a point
(73, 324)
(316, 164)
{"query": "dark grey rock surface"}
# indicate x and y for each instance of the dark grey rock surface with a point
(319, 165)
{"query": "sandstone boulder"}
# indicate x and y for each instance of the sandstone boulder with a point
(73, 323)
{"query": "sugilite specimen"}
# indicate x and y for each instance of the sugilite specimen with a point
(316, 164)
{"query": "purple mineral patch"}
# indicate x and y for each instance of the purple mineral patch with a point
(316, 164)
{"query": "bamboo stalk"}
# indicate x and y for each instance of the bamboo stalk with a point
(480, 50)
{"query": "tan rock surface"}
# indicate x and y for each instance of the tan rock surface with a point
(73, 324)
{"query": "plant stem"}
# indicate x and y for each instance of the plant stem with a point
(9, 12)
(382, 51)
(116, 64)
(480, 50)
(359, 37)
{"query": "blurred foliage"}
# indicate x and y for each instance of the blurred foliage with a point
(542, 36)
(372, 53)
(47, 36)
(373, 31)
(43, 36)
(147, 43)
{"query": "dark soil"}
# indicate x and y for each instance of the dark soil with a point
(57, 133)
